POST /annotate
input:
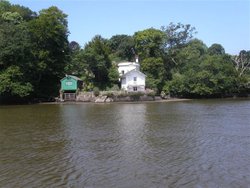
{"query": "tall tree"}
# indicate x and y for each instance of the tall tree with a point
(4, 6)
(121, 47)
(177, 37)
(96, 56)
(15, 55)
(191, 53)
(215, 76)
(149, 45)
(156, 74)
(25, 12)
(177, 34)
(13, 83)
(242, 66)
(216, 49)
(74, 66)
(49, 33)
(242, 62)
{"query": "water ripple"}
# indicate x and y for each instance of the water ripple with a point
(186, 144)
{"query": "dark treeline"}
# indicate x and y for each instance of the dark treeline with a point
(35, 54)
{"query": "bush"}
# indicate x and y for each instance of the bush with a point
(110, 94)
(165, 93)
(96, 91)
(136, 95)
(151, 94)
(166, 89)
(115, 88)
(122, 94)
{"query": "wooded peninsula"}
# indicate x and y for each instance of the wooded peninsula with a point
(35, 55)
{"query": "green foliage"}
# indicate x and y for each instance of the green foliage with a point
(51, 50)
(115, 88)
(96, 91)
(14, 57)
(76, 65)
(14, 45)
(150, 47)
(135, 95)
(242, 64)
(216, 49)
(93, 64)
(177, 86)
(12, 17)
(4, 6)
(121, 47)
(177, 35)
(113, 74)
(96, 57)
(214, 76)
(24, 12)
(191, 53)
(149, 43)
(155, 71)
(166, 89)
(33, 47)
(151, 93)
(12, 82)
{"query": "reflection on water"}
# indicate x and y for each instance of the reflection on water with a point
(180, 144)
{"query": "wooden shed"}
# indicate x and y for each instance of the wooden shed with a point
(69, 87)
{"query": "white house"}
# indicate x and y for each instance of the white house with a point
(131, 77)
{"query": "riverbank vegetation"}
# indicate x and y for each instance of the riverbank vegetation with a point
(35, 54)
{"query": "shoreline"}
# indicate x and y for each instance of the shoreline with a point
(120, 102)
(141, 102)
(132, 102)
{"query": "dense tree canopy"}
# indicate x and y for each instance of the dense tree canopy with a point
(14, 53)
(122, 47)
(216, 49)
(34, 48)
(212, 76)
(149, 45)
(96, 56)
(177, 35)
(35, 54)
(50, 48)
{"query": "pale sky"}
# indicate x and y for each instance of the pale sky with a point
(226, 22)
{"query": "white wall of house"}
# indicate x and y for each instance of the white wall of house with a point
(125, 67)
(133, 81)
(131, 77)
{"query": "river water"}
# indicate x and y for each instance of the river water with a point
(198, 143)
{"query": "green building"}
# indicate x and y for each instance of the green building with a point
(69, 86)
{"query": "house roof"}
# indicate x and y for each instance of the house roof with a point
(126, 63)
(134, 70)
(71, 76)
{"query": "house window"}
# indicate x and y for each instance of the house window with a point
(135, 79)
(122, 71)
(134, 88)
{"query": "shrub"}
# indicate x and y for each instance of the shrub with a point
(122, 94)
(110, 94)
(151, 94)
(136, 95)
(96, 91)
(115, 88)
